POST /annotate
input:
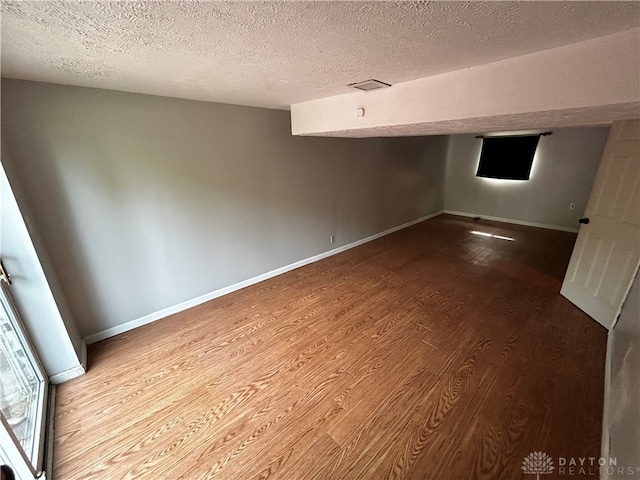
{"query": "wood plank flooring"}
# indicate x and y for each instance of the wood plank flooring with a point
(431, 353)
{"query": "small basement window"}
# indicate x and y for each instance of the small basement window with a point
(507, 158)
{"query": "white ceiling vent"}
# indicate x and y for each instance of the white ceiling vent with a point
(369, 85)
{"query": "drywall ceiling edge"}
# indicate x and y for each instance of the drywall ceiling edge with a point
(578, 84)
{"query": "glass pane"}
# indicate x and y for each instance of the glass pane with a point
(20, 386)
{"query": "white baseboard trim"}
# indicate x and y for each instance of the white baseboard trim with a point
(152, 317)
(67, 375)
(605, 444)
(510, 220)
(73, 372)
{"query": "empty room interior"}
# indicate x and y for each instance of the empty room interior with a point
(320, 240)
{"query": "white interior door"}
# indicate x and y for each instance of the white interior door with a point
(23, 395)
(606, 254)
(23, 382)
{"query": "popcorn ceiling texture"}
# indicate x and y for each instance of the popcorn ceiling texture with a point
(274, 54)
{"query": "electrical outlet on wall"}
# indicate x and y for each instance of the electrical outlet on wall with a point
(572, 206)
(332, 239)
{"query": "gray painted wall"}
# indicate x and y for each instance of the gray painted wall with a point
(622, 417)
(563, 172)
(144, 202)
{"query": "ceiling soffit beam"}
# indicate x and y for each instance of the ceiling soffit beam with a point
(585, 83)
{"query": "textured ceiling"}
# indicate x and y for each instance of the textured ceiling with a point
(274, 54)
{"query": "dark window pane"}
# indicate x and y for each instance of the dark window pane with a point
(509, 158)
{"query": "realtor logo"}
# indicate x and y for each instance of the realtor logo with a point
(537, 463)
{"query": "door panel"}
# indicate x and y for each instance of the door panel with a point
(588, 249)
(607, 251)
(23, 385)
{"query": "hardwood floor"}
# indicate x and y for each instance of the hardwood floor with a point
(431, 353)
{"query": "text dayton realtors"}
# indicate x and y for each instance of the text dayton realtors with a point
(592, 466)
